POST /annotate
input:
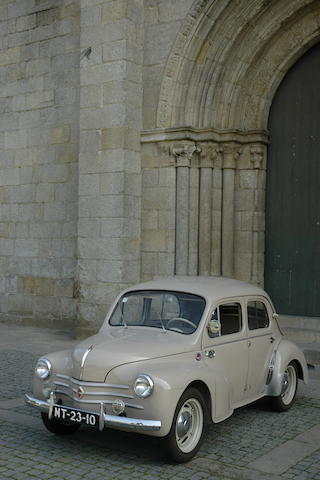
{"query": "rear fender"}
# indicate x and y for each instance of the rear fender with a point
(286, 352)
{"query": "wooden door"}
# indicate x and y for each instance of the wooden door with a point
(292, 259)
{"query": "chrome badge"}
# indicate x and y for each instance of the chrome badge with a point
(80, 392)
(118, 406)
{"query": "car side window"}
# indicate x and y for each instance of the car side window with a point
(230, 317)
(257, 315)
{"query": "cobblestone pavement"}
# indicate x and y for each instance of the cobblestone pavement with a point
(254, 443)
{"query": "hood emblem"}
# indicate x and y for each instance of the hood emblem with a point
(80, 392)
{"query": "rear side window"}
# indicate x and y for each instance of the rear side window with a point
(230, 318)
(257, 315)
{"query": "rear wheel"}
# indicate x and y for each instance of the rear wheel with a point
(58, 427)
(285, 400)
(188, 426)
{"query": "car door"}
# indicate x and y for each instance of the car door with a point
(261, 340)
(226, 354)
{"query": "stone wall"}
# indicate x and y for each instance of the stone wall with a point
(109, 161)
(39, 105)
(133, 144)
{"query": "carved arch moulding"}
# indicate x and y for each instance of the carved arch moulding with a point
(228, 60)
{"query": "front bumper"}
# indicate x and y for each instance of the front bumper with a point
(113, 421)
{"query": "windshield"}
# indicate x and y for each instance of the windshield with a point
(180, 312)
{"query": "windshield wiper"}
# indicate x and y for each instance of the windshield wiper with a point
(162, 324)
(123, 322)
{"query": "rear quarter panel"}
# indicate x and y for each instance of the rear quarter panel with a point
(286, 352)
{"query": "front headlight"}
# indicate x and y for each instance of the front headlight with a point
(143, 386)
(43, 368)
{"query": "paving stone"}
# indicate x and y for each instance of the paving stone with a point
(226, 453)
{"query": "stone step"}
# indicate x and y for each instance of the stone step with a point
(312, 323)
(302, 335)
(312, 355)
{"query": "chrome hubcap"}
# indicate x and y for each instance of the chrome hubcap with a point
(183, 424)
(189, 425)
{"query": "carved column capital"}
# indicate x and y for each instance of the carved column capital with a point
(257, 156)
(183, 154)
(210, 155)
(231, 154)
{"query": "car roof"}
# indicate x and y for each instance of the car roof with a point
(212, 288)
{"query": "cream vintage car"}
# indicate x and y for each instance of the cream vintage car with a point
(172, 355)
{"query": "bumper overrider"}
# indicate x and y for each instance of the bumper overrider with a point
(105, 420)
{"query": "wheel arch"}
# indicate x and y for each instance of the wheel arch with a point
(286, 353)
(299, 369)
(202, 387)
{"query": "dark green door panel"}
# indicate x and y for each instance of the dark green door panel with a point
(292, 259)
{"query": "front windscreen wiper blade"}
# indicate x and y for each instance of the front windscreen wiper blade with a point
(161, 315)
(123, 322)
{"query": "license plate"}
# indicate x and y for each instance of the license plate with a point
(76, 416)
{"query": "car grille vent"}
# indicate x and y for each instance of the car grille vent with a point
(93, 392)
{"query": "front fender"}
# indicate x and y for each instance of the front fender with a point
(286, 352)
(171, 376)
(61, 362)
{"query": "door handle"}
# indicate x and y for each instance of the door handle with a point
(210, 353)
(272, 339)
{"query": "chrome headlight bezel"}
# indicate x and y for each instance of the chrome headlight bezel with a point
(143, 386)
(43, 368)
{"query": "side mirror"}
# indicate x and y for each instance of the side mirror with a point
(214, 328)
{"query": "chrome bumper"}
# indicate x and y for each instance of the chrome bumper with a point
(113, 421)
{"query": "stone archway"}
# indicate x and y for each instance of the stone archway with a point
(228, 60)
(224, 68)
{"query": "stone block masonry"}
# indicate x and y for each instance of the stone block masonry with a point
(109, 160)
(39, 98)
(134, 143)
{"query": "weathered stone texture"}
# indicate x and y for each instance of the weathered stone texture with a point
(133, 141)
(109, 160)
(39, 81)
(158, 214)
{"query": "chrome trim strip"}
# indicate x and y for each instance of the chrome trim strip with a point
(101, 417)
(61, 384)
(104, 394)
(136, 424)
(132, 423)
(51, 403)
(91, 384)
(95, 402)
(36, 402)
(86, 353)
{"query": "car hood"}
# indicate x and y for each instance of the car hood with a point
(94, 357)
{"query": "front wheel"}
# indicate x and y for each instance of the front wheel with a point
(285, 400)
(188, 426)
(57, 427)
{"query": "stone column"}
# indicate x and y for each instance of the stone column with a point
(231, 152)
(258, 162)
(209, 207)
(183, 155)
(205, 210)
(194, 202)
(216, 242)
